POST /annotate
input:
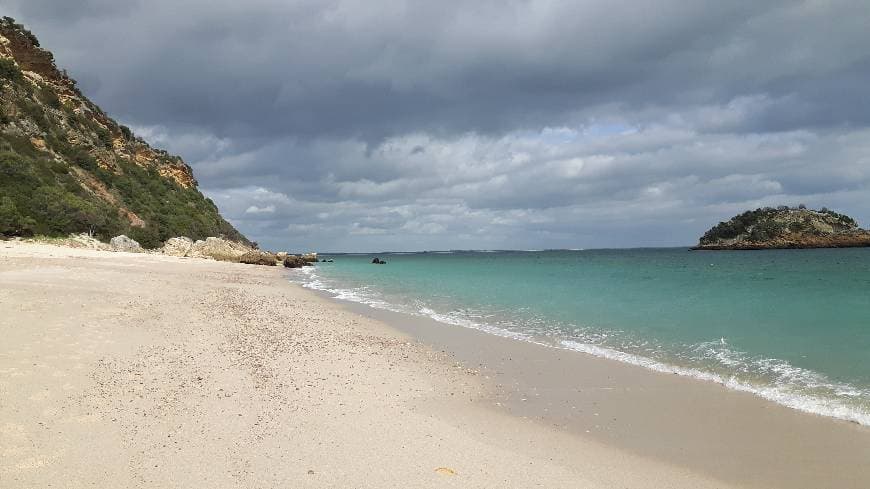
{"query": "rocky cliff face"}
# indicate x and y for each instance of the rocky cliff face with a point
(785, 227)
(57, 147)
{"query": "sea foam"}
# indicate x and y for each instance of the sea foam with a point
(772, 379)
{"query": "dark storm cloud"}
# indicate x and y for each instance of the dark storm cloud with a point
(339, 124)
(272, 68)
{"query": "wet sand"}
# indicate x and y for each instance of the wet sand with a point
(732, 436)
(123, 370)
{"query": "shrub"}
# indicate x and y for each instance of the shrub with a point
(9, 70)
(18, 145)
(104, 137)
(12, 223)
(35, 112)
(49, 98)
(83, 160)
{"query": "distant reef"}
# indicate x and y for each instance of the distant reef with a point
(67, 167)
(784, 228)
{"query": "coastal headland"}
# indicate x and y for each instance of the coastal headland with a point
(785, 227)
(146, 370)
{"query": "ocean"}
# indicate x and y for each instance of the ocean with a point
(792, 326)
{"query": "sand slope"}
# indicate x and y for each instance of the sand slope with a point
(122, 370)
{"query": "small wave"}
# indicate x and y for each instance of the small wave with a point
(782, 372)
(456, 320)
(312, 281)
(780, 394)
(788, 384)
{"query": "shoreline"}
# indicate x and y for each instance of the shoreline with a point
(185, 372)
(706, 426)
(808, 404)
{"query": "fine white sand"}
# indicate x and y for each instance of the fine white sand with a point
(124, 370)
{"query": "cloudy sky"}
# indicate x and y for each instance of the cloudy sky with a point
(407, 125)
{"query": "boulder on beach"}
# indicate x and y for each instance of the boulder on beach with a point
(125, 244)
(281, 255)
(293, 261)
(378, 261)
(218, 249)
(310, 257)
(257, 257)
(179, 246)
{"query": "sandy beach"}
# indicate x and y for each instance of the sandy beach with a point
(133, 370)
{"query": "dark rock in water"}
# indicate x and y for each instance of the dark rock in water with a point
(257, 257)
(293, 261)
(378, 261)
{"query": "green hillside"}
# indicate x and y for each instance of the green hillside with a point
(66, 167)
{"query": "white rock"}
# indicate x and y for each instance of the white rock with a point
(125, 244)
(179, 246)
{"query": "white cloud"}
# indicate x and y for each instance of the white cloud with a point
(269, 209)
(659, 185)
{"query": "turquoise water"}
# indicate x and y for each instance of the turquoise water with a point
(792, 326)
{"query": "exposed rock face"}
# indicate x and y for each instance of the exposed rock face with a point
(218, 249)
(281, 255)
(310, 257)
(180, 246)
(125, 244)
(257, 257)
(783, 228)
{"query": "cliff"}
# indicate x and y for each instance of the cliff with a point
(785, 227)
(66, 166)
